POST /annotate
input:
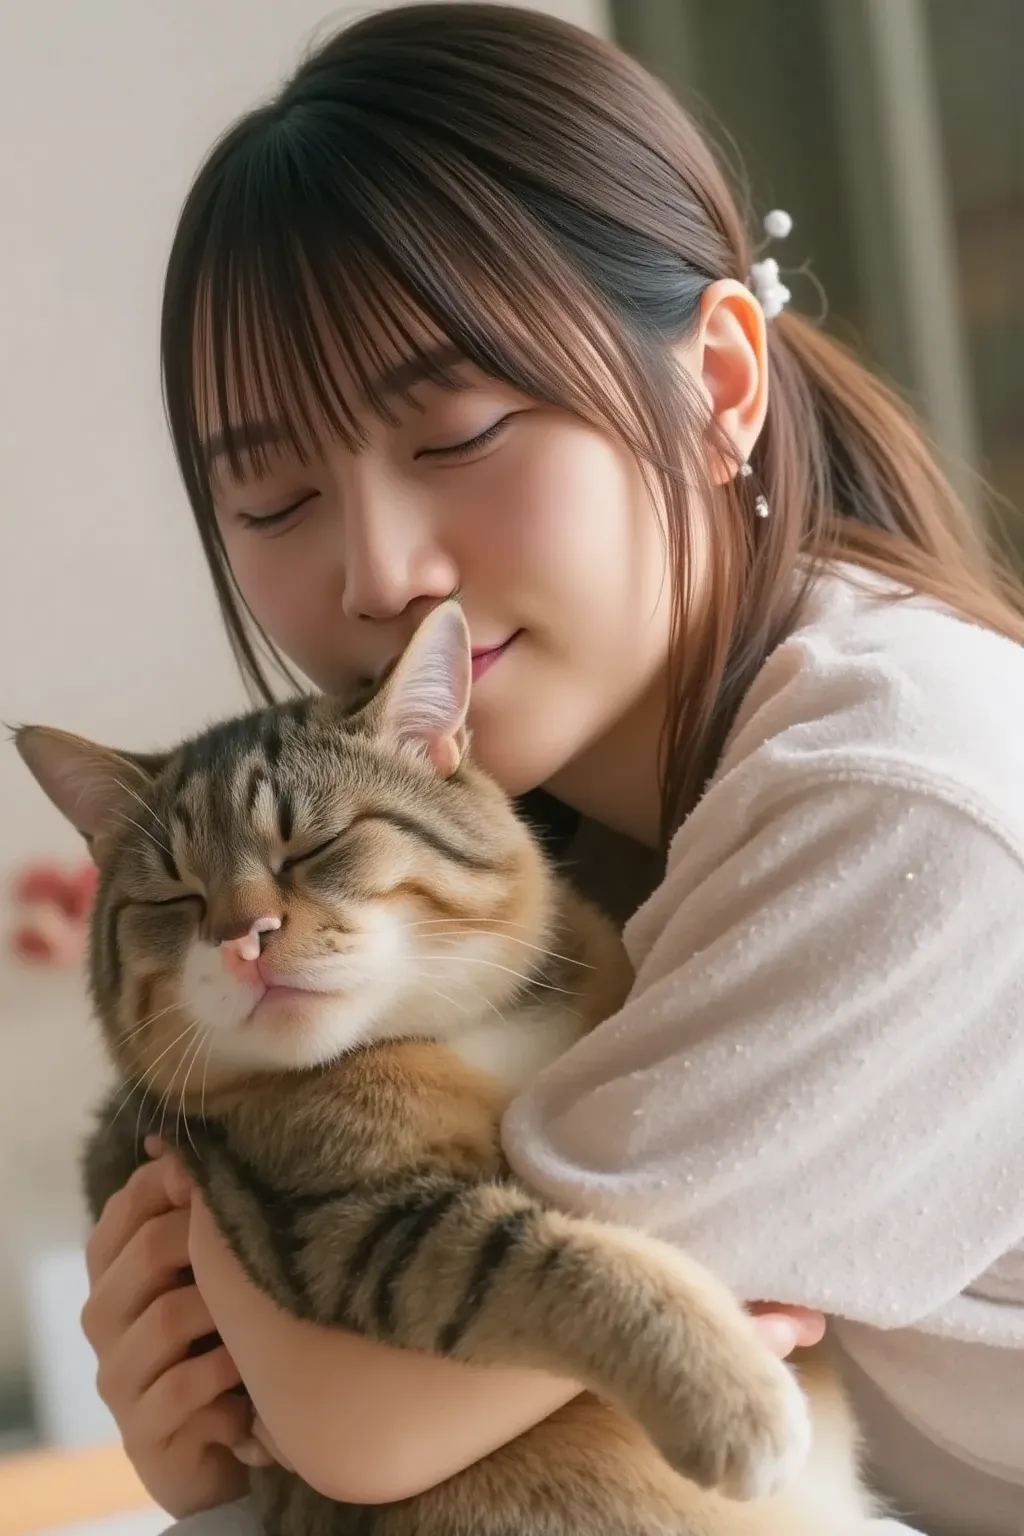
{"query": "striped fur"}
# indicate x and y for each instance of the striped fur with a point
(348, 1144)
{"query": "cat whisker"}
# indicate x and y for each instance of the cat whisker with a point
(492, 922)
(160, 1013)
(451, 1001)
(192, 1024)
(181, 1102)
(142, 1086)
(490, 1003)
(149, 1070)
(133, 1084)
(148, 808)
(524, 976)
(146, 833)
(165, 1098)
(139, 1080)
(202, 1091)
(511, 938)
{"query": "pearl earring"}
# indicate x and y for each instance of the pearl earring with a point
(761, 507)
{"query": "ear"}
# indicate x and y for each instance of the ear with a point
(728, 360)
(425, 701)
(95, 788)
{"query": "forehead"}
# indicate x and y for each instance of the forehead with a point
(261, 767)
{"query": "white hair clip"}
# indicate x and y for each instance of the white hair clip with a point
(768, 288)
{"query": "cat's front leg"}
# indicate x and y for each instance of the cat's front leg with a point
(480, 1271)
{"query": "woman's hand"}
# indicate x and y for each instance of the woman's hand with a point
(784, 1329)
(183, 1426)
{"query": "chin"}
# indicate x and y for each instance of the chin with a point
(298, 1034)
(522, 751)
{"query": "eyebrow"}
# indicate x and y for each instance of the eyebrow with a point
(435, 364)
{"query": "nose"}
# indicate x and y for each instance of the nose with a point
(246, 943)
(393, 556)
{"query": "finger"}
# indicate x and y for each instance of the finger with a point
(808, 1324)
(150, 1263)
(265, 1440)
(227, 1421)
(163, 1336)
(143, 1197)
(182, 1392)
(177, 1181)
(810, 1327)
(251, 1452)
(778, 1333)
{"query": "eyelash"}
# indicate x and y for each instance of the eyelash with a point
(471, 444)
(271, 519)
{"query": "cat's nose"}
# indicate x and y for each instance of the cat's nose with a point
(245, 943)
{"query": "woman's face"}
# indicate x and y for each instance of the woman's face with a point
(543, 524)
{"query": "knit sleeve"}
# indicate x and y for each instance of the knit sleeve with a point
(817, 1085)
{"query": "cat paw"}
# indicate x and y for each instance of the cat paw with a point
(747, 1441)
(770, 1457)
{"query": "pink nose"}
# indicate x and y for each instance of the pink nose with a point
(246, 946)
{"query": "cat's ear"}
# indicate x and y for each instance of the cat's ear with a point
(97, 789)
(423, 704)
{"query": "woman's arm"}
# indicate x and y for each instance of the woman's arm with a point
(368, 1424)
(814, 1086)
(357, 1420)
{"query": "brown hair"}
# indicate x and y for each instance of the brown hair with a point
(549, 209)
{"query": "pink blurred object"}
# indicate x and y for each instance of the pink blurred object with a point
(52, 905)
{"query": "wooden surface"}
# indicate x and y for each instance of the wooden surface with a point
(46, 1488)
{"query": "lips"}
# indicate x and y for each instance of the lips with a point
(485, 658)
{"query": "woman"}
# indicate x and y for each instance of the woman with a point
(469, 306)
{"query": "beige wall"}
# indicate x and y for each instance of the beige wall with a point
(106, 624)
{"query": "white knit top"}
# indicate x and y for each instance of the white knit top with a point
(817, 1085)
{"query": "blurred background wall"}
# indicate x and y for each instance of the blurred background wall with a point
(892, 130)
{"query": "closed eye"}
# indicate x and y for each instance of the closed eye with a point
(470, 445)
(175, 901)
(267, 520)
(309, 853)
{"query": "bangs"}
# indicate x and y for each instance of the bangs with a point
(314, 288)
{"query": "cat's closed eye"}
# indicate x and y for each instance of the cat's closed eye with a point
(307, 854)
(182, 899)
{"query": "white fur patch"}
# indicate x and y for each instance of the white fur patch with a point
(514, 1049)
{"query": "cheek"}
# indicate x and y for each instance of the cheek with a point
(295, 590)
(569, 514)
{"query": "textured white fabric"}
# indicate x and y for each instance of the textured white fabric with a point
(817, 1085)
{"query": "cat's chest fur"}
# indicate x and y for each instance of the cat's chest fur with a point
(512, 1051)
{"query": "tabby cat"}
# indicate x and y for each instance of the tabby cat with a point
(327, 951)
